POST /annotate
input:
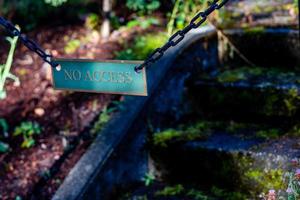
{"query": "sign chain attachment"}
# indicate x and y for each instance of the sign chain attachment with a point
(177, 37)
(30, 44)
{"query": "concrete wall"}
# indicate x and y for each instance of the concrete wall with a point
(118, 156)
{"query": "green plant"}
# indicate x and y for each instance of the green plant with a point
(5, 68)
(27, 130)
(4, 127)
(142, 47)
(55, 3)
(197, 195)
(292, 101)
(92, 21)
(182, 13)
(223, 194)
(72, 46)
(268, 134)
(143, 22)
(148, 179)
(4, 147)
(104, 117)
(143, 6)
(196, 131)
(171, 191)
(18, 198)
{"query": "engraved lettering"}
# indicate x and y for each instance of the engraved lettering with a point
(68, 75)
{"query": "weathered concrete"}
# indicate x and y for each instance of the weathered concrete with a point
(117, 156)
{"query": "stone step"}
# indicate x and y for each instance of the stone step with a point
(248, 13)
(242, 160)
(257, 94)
(167, 191)
(267, 47)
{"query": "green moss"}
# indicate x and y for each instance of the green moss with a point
(171, 191)
(228, 195)
(234, 127)
(292, 101)
(161, 139)
(198, 130)
(295, 130)
(239, 74)
(142, 46)
(286, 104)
(266, 179)
(104, 117)
(197, 195)
(254, 30)
(203, 129)
(268, 134)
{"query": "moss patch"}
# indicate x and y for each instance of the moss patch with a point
(203, 129)
(171, 191)
(196, 131)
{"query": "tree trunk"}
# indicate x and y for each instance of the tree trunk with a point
(106, 9)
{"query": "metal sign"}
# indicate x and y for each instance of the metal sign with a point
(113, 77)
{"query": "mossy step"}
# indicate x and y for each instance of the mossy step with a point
(264, 12)
(252, 93)
(265, 47)
(166, 191)
(234, 160)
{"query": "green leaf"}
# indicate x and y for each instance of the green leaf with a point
(3, 147)
(28, 142)
(2, 94)
(4, 126)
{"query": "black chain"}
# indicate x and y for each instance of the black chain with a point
(30, 44)
(197, 21)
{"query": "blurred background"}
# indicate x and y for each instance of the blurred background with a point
(43, 131)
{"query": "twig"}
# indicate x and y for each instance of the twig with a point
(221, 34)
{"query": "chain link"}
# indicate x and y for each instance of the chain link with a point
(30, 44)
(177, 37)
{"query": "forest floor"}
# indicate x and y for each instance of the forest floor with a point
(64, 116)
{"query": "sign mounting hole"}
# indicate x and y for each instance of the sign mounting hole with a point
(58, 68)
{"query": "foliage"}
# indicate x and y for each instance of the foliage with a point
(223, 194)
(30, 13)
(5, 68)
(171, 191)
(72, 46)
(239, 74)
(293, 177)
(148, 179)
(183, 12)
(142, 47)
(55, 3)
(199, 130)
(4, 127)
(272, 178)
(92, 21)
(27, 130)
(292, 100)
(4, 147)
(104, 117)
(143, 6)
(268, 134)
(197, 195)
(143, 22)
